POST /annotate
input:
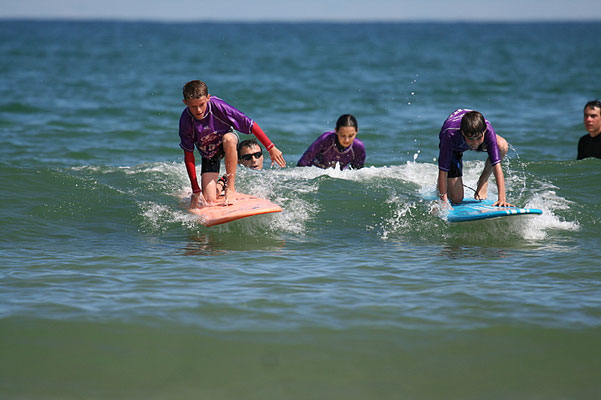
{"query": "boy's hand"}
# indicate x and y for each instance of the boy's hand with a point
(502, 203)
(197, 200)
(276, 156)
(229, 197)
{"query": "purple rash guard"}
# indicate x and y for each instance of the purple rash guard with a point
(207, 133)
(451, 141)
(325, 153)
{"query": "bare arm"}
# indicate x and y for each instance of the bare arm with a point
(274, 153)
(500, 178)
(276, 156)
(442, 185)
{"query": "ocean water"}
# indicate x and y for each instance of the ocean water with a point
(110, 289)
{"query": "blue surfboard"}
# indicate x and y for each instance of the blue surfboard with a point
(472, 210)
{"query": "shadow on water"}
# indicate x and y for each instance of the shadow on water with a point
(216, 243)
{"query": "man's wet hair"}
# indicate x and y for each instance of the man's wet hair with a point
(247, 143)
(593, 104)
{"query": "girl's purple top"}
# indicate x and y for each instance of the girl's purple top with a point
(207, 133)
(324, 153)
(451, 140)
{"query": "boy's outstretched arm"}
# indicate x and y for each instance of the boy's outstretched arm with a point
(274, 153)
(442, 185)
(500, 179)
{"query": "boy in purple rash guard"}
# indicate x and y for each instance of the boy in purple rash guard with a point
(339, 146)
(208, 124)
(468, 130)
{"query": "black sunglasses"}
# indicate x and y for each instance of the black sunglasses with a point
(248, 157)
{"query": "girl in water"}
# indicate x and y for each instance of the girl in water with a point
(339, 146)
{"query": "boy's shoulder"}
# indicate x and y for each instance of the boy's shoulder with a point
(457, 115)
(222, 106)
(218, 102)
(215, 99)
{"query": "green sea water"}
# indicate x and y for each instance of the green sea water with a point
(110, 289)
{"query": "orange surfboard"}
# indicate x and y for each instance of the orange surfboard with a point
(244, 205)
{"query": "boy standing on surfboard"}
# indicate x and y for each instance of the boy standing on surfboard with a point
(468, 130)
(208, 123)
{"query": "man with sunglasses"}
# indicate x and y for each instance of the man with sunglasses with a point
(250, 154)
(468, 130)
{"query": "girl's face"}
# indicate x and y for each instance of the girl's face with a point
(198, 107)
(346, 135)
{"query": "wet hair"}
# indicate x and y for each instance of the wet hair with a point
(593, 104)
(247, 143)
(473, 124)
(347, 120)
(195, 90)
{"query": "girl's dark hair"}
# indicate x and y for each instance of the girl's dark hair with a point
(473, 124)
(347, 120)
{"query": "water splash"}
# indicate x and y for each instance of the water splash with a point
(406, 208)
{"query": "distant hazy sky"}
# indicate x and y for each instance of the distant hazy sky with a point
(331, 10)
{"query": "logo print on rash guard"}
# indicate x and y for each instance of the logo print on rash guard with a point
(208, 144)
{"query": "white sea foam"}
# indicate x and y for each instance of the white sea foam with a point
(542, 196)
(410, 201)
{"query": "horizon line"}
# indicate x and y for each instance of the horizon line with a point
(301, 20)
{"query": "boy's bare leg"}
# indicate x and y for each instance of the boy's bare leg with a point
(455, 190)
(209, 187)
(230, 144)
(482, 188)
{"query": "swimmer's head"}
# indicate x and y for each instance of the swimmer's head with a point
(473, 128)
(250, 154)
(346, 129)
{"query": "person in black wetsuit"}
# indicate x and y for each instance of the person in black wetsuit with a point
(589, 145)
